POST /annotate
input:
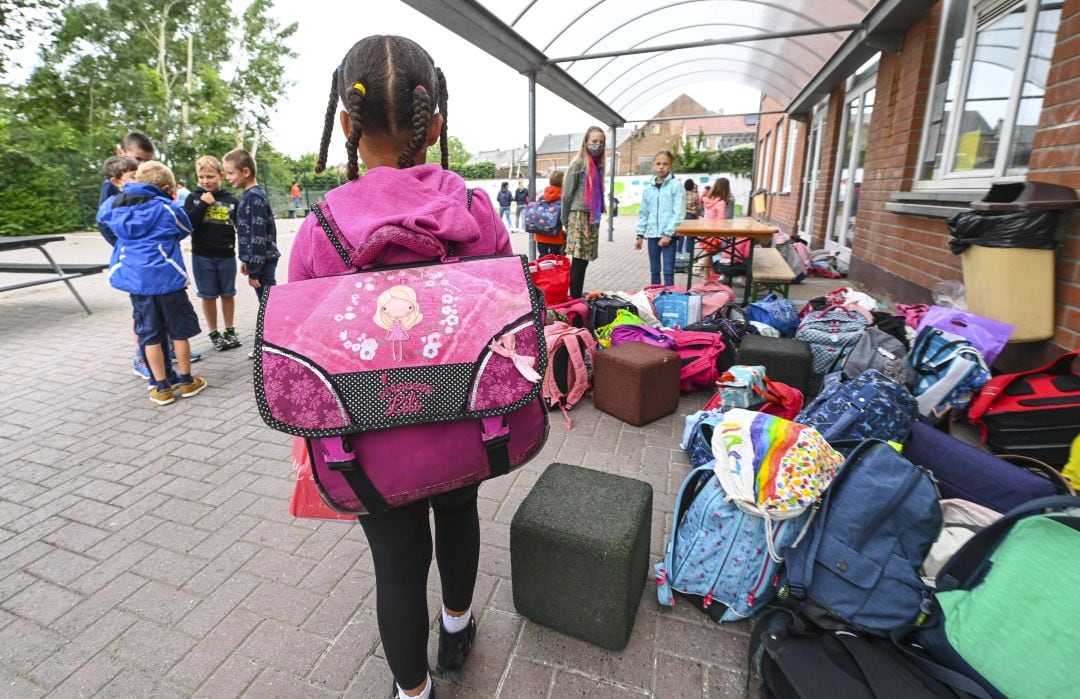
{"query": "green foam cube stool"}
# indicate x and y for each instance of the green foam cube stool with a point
(579, 553)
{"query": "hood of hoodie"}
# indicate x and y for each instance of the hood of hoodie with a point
(552, 193)
(423, 199)
(135, 212)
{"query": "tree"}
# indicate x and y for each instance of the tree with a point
(459, 154)
(737, 161)
(260, 81)
(689, 158)
(477, 171)
(185, 73)
(18, 18)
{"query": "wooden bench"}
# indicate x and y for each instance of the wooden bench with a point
(54, 271)
(771, 273)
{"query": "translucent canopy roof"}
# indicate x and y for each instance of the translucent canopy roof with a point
(612, 56)
(778, 67)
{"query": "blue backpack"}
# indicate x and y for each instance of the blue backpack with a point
(697, 436)
(542, 217)
(776, 312)
(859, 565)
(717, 556)
(870, 406)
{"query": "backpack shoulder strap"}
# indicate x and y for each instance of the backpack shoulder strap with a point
(329, 226)
(577, 374)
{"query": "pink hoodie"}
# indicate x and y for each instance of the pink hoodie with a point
(386, 201)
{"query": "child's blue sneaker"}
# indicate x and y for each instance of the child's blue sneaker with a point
(139, 368)
(195, 356)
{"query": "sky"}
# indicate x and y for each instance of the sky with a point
(488, 106)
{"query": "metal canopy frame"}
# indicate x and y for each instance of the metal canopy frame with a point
(863, 28)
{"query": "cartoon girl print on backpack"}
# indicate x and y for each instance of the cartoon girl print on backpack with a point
(397, 312)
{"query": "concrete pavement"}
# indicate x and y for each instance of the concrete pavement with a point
(147, 551)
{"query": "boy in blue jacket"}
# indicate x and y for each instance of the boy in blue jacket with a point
(147, 263)
(662, 207)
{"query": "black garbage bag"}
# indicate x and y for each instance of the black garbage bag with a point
(1021, 229)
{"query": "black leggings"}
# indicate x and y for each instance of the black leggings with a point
(400, 541)
(577, 277)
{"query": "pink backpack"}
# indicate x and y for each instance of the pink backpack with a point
(575, 310)
(699, 352)
(714, 295)
(407, 381)
(570, 365)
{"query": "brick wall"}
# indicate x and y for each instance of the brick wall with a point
(1056, 158)
(782, 208)
(906, 255)
(914, 248)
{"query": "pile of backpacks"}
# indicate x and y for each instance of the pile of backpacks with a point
(877, 554)
(941, 356)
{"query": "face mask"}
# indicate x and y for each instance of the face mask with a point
(594, 149)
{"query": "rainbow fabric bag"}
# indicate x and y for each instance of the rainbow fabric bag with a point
(771, 467)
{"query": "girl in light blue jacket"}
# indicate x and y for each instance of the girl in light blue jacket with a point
(663, 205)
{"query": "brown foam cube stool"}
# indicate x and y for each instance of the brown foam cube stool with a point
(636, 382)
(579, 553)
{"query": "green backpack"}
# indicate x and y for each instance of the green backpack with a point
(1006, 605)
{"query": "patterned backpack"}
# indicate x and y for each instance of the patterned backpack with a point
(832, 333)
(697, 436)
(870, 406)
(362, 363)
(542, 217)
(732, 515)
(570, 366)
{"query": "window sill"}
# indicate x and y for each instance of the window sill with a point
(932, 203)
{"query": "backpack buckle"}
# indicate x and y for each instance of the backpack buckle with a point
(338, 454)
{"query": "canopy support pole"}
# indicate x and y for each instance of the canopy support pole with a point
(611, 188)
(532, 154)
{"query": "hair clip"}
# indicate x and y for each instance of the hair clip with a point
(359, 87)
(421, 87)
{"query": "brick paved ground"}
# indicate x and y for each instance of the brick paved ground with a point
(147, 551)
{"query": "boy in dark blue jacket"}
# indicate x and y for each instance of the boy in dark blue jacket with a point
(147, 263)
(256, 231)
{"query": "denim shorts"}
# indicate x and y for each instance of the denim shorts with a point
(164, 316)
(214, 276)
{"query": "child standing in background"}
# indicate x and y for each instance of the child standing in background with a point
(553, 243)
(662, 207)
(147, 263)
(256, 232)
(212, 211)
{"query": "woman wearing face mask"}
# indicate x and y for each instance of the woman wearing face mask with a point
(582, 204)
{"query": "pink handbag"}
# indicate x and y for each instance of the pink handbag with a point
(407, 381)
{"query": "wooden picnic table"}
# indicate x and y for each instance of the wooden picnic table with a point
(728, 230)
(54, 271)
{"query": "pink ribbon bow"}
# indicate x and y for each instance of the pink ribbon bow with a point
(507, 347)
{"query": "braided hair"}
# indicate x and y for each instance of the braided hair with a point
(390, 86)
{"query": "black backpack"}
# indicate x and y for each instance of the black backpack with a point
(603, 309)
(796, 660)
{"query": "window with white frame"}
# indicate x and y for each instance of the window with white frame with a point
(763, 171)
(774, 181)
(989, 80)
(789, 156)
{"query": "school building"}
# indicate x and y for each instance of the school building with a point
(886, 144)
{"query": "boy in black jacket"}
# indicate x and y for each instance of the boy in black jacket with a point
(212, 211)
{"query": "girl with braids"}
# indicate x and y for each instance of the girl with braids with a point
(393, 106)
(582, 204)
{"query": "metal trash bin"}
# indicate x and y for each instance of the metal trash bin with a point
(1006, 243)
